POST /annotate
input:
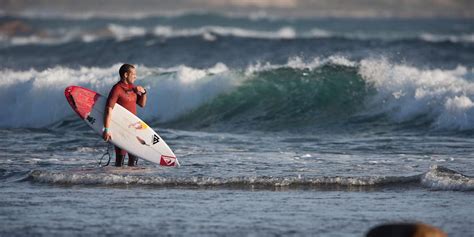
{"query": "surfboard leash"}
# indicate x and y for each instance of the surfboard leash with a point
(107, 153)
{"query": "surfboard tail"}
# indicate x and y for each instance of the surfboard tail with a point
(177, 163)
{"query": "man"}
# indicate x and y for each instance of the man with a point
(127, 95)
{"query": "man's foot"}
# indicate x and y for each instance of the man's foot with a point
(132, 161)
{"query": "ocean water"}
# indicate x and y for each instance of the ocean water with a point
(283, 127)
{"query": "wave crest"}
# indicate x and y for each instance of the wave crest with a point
(35, 98)
(299, 94)
(437, 178)
(15, 32)
(441, 98)
(109, 177)
(441, 178)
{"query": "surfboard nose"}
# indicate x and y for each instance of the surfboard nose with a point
(68, 90)
(81, 99)
(69, 97)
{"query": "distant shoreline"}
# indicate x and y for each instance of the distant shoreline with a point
(256, 8)
(252, 15)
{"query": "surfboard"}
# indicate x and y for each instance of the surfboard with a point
(128, 131)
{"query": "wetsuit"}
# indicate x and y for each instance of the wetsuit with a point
(126, 96)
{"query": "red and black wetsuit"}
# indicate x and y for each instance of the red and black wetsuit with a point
(125, 95)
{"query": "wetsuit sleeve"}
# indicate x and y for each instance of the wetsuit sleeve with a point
(113, 97)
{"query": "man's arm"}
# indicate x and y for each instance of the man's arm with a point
(111, 100)
(141, 92)
(107, 117)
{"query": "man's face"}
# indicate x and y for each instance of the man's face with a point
(131, 76)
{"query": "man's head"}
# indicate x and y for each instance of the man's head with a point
(127, 73)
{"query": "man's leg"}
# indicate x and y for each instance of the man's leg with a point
(132, 160)
(119, 156)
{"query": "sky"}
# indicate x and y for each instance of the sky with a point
(294, 8)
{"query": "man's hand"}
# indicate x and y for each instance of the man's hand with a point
(140, 90)
(106, 136)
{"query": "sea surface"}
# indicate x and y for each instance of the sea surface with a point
(283, 126)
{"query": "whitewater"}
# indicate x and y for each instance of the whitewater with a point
(298, 127)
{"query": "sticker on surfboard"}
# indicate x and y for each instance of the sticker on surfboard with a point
(168, 161)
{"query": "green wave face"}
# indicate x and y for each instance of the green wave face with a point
(284, 98)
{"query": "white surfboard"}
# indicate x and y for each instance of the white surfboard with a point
(128, 131)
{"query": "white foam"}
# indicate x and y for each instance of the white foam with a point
(319, 33)
(122, 32)
(125, 32)
(212, 32)
(187, 88)
(36, 39)
(113, 176)
(444, 97)
(439, 178)
(342, 61)
(299, 63)
(34, 98)
(208, 31)
(45, 37)
(462, 38)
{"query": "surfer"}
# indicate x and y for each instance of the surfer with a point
(126, 94)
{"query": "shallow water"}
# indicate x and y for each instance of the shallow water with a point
(229, 186)
(32, 209)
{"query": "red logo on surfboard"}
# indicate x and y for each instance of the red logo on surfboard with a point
(167, 161)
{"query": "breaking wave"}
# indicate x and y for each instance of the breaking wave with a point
(298, 93)
(438, 178)
(78, 178)
(209, 33)
(35, 98)
(441, 178)
(34, 29)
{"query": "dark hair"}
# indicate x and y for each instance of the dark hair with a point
(125, 68)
